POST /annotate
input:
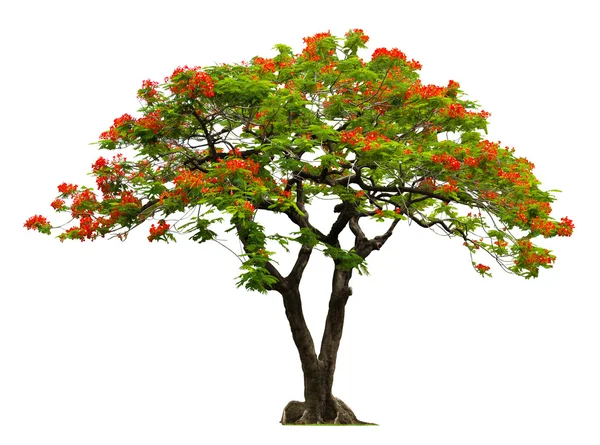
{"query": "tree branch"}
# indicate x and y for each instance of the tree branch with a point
(296, 273)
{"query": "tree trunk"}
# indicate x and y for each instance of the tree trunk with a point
(319, 406)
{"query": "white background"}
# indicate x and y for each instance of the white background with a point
(139, 343)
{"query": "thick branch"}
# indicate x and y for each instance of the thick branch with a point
(364, 246)
(300, 333)
(346, 210)
(334, 324)
(303, 256)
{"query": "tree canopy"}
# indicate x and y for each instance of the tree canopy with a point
(220, 144)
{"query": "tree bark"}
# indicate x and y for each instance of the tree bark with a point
(319, 406)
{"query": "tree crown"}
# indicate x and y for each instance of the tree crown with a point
(275, 133)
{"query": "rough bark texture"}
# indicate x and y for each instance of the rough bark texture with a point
(319, 405)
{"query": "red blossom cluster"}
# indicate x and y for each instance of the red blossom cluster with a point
(310, 50)
(109, 175)
(393, 53)
(157, 231)
(482, 114)
(481, 268)
(450, 186)
(530, 258)
(413, 64)
(424, 91)
(329, 67)
(267, 65)
(489, 149)
(450, 162)
(67, 189)
(489, 195)
(113, 133)
(454, 111)
(471, 161)
(360, 32)
(235, 164)
(35, 222)
(370, 140)
(148, 91)
(84, 203)
(191, 82)
(152, 121)
(58, 204)
(543, 226)
(565, 228)
(352, 137)
(248, 206)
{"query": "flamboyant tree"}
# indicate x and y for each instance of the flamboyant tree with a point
(222, 144)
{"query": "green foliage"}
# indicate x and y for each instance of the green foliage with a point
(273, 134)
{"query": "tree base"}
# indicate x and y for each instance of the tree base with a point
(336, 413)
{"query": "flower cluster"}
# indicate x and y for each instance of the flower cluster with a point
(148, 91)
(312, 50)
(482, 269)
(36, 222)
(235, 164)
(267, 65)
(191, 82)
(120, 123)
(489, 149)
(454, 111)
(370, 140)
(67, 189)
(58, 204)
(157, 231)
(393, 53)
(360, 33)
(84, 203)
(424, 91)
(450, 186)
(565, 228)
(152, 121)
(109, 175)
(450, 162)
(352, 137)
(531, 258)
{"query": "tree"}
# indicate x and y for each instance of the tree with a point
(275, 134)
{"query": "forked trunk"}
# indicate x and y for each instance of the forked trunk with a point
(319, 405)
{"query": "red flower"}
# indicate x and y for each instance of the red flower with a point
(454, 111)
(565, 228)
(394, 53)
(157, 231)
(191, 82)
(152, 121)
(99, 164)
(267, 64)
(57, 204)
(113, 132)
(36, 222)
(482, 268)
(363, 37)
(67, 189)
(450, 162)
(310, 51)
(148, 90)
